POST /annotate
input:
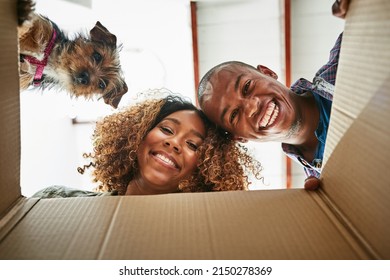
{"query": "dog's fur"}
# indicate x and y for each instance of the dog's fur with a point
(84, 66)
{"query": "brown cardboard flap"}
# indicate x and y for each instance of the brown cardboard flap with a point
(61, 229)
(355, 175)
(17, 213)
(9, 104)
(229, 225)
(276, 224)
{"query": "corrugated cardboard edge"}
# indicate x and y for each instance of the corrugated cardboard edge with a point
(269, 224)
(346, 228)
(10, 109)
(363, 62)
(16, 213)
(355, 180)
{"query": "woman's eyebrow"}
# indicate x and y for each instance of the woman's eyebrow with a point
(173, 120)
(197, 134)
(176, 121)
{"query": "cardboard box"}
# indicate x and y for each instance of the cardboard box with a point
(349, 218)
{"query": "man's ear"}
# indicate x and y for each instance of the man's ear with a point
(266, 71)
(240, 139)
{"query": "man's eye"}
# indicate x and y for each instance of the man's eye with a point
(233, 116)
(192, 146)
(246, 87)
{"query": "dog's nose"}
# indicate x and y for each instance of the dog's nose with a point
(83, 78)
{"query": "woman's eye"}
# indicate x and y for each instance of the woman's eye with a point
(166, 129)
(233, 116)
(97, 56)
(246, 87)
(192, 146)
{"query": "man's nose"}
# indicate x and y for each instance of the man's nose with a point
(250, 107)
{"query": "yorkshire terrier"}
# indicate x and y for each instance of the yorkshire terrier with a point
(84, 66)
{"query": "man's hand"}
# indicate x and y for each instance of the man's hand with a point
(312, 183)
(340, 8)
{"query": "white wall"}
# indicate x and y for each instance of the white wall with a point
(314, 32)
(157, 53)
(246, 30)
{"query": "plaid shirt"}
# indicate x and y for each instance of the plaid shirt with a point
(322, 89)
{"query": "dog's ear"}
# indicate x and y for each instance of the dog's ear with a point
(100, 34)
(114, 97)
(25, 10)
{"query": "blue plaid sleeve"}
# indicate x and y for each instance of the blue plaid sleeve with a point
(329, 70)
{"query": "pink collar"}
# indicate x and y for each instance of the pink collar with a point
(40, 64)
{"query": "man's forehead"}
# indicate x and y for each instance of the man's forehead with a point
(214, 102)
(221, 82)
(223, 77)
(211, 108)
(208, 93)
(229, 70)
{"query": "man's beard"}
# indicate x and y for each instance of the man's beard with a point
(294, 129)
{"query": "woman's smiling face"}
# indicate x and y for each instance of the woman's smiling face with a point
(168, 153)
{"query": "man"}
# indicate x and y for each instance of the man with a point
(251, 104)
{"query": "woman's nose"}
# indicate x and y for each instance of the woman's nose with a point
(173, 144)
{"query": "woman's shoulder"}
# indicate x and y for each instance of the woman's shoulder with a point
(63, 192)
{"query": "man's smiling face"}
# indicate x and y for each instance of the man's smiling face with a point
(250, 104)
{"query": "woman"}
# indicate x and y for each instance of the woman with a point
(165, 145)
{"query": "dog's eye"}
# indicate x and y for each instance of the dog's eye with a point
(97, 56)
(102, 85)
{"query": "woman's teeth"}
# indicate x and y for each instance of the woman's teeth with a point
(165, 159)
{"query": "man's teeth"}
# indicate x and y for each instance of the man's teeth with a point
(166, 160)
(270, 115)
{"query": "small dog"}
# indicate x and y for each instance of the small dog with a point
(85, 66)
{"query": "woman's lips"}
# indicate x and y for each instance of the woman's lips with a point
(166, 159)
(271, 113)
